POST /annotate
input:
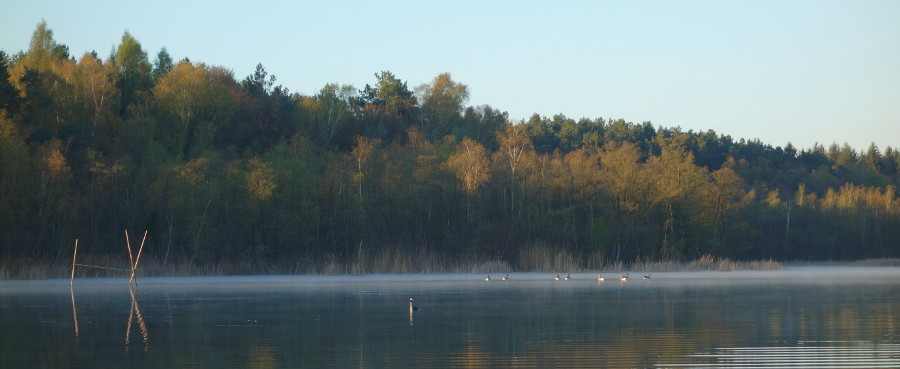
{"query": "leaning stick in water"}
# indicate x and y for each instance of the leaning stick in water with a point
(72, 279)
(130, 259)
(138, 260)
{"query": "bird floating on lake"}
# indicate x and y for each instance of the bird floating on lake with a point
(412, 311)
(623, 277)
(647, 276)
(557, 277)
(568, 277)
(506, 277)
(600, 278)
(488, 278)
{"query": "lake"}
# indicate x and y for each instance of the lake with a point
(828, 317)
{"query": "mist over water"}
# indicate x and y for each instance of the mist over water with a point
(813, 316)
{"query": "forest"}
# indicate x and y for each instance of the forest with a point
(242, 176)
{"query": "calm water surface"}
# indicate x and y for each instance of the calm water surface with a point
(809, 317)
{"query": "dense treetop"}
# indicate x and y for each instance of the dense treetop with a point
(221, 168)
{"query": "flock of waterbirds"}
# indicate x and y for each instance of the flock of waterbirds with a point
(622, 277)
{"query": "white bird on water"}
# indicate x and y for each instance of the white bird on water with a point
(412, 309)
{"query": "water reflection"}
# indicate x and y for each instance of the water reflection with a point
(529, 321)
(808, 354)
(74, 312)
(135, 312)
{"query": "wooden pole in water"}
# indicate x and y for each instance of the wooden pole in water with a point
(138, 259)
(130, 258)
(72, 279)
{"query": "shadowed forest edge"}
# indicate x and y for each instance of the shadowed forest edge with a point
(242, 176)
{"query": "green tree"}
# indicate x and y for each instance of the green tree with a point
(266, 113)
(9, 97)
(43, 50)
(386, 110)
(55, 176)
(261, 186)
(199, 99)
(482, 123)
(724, 194)
(362, 155)
(161, 65)
(259, 83)
(331, 112)
(16, 189)
(442, 104)
(675, 180)
(195, 173)
(134, 69)
(394, 94)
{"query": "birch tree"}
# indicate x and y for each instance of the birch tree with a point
(470, 165)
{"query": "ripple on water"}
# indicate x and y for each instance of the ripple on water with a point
(806, 354)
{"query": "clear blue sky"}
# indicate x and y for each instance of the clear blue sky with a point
(781, 71)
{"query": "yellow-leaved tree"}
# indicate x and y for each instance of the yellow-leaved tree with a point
(199, 98)
(516, 155)
(623, 180)
(470, 165)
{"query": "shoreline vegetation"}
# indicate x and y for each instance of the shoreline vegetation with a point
(392, 261)
(236, 176)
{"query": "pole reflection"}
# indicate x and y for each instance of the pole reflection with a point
(136, 312)
(74, 312)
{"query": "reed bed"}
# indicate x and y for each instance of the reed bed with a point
(705, 263)
(532, 258)
(543, 258)
(887, 262)
(30, 269)
(402, 261)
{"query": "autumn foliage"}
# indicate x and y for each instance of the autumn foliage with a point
(220, 169)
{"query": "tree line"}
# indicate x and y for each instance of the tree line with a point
(218, 168)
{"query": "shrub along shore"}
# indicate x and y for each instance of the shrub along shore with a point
(388, 261)
(393, 262)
